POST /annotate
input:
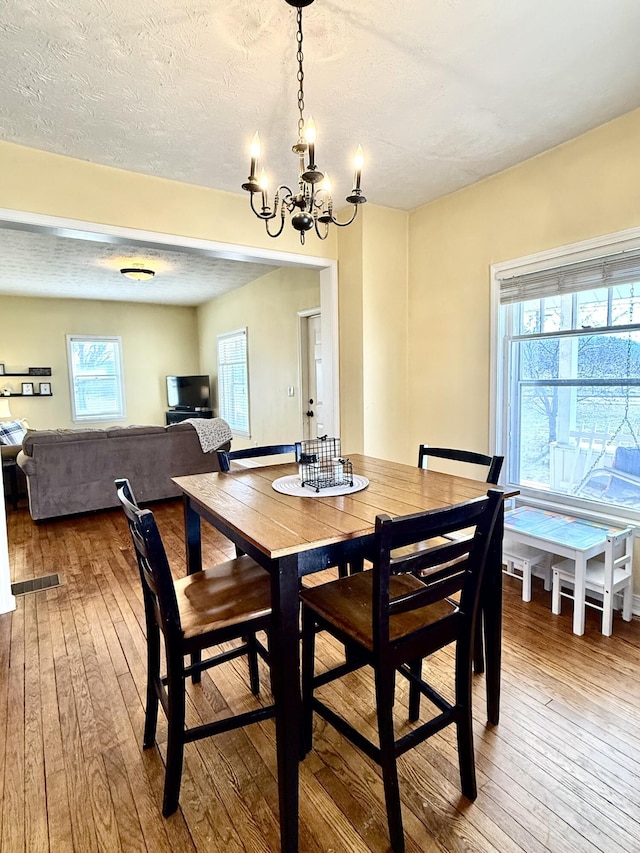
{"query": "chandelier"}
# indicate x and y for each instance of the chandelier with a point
(312, 205)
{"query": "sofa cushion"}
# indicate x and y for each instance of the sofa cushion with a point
(53, 436)
(12, 432)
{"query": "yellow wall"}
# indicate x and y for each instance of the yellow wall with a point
(585, 188)
(52, 184)
(385, 266)
(156, 341)
(373, 333)
(350, 311)
(268, 307)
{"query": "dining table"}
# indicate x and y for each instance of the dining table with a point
(292, 536)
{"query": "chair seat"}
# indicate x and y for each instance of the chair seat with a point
(523, 561)
(517, 552)
(347, 604)
(594, 575)
(228, 594)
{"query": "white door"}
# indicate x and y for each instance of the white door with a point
(312, 410)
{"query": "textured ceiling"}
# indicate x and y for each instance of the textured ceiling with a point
(44, 265)
(440, 93)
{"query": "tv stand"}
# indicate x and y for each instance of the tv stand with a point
(175, 416)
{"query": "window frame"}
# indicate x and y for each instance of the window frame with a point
(501, 335)
(121, 414)
(223, 411)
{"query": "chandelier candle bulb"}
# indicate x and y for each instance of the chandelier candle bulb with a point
(310, 137)
(358, 162)
(264, 185)
(255, 153)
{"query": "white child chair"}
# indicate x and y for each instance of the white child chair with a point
(608, 578)
(523, 561)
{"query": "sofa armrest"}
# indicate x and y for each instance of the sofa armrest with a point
(26, 463)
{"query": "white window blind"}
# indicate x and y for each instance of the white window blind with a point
(95, 375)
(620, 269)
(233, 381)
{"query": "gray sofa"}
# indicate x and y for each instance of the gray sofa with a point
(70, 471)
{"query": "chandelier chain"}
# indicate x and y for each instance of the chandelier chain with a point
(300, 75)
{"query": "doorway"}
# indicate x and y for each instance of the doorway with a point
(312, 384)
(79, 230)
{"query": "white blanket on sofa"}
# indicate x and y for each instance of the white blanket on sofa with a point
(213, 433)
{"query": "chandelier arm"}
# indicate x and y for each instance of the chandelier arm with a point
(279, 231)
(259, 213)
(284, 200)
(326, 230)
(344, 224)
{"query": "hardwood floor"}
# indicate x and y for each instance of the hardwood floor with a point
(560, 773)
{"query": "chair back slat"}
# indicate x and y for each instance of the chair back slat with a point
(434, 590)
(460, 564)
(493, 463)
(225, 457)
(155, 574)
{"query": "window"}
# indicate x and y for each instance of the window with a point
(233, 381)
(570, 381)
(95, 374)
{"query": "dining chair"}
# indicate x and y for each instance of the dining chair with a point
(608, 578)
(523, 561)
(494, 467)
(225, 457)
(224, 603)
(493, 463)
(390, 619)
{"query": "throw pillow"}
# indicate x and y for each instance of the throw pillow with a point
(11, 432)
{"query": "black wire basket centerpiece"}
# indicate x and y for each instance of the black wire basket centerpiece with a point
(322, 465)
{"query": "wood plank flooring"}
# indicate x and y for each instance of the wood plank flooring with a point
(561, 773)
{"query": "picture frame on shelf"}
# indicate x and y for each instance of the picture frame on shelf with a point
(27, 389)
(1, 369)
(44, 389)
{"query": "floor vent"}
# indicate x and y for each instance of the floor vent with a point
(35, 584)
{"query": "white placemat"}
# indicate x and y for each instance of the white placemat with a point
(291, 485)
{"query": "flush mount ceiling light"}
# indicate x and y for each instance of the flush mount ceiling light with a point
(138, 273)
(312, 206)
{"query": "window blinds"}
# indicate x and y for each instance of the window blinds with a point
(623, 268)
(233, 381)
(96, 378)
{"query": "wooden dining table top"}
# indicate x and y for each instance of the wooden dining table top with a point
(280, 524)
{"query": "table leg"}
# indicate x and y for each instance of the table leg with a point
(492, 618)
(284, 648)
(193, 537)
(579, 593)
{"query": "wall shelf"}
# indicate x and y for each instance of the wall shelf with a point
(36, 379)
(20, 394)
(31, 375)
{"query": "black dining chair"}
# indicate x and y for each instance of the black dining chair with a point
(227, 602)
(494, 467)
(226, 457)
(493, 463)
(394, 616)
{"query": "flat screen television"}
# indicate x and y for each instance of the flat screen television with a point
(188, 392)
